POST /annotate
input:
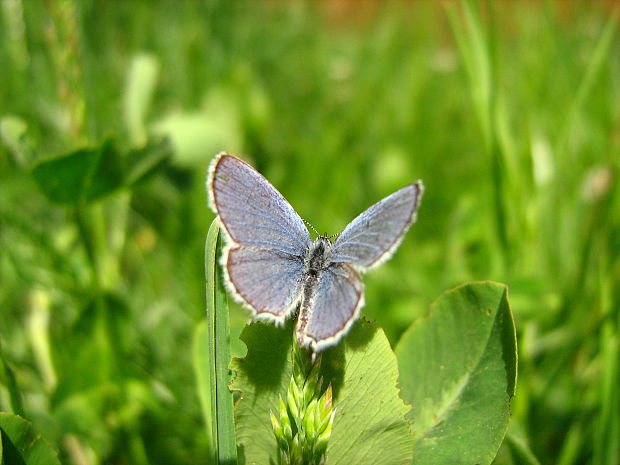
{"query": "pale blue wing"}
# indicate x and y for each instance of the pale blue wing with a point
(374, 235)
(253, 212)
(267, 281)
(336, 304)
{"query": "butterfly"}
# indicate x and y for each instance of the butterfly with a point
(272, 266)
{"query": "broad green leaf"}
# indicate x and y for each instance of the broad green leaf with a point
(260, 377)
(80, 176)
(370, 424)
(458, 369)
(214, 361)
(89, 174)
(20, 444)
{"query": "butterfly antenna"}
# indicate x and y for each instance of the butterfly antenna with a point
(311, 227)
(334, 235)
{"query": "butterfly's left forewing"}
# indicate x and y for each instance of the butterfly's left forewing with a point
(253, 212)
(375, 234)
(267, 240)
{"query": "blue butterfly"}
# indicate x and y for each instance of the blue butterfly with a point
(271, 264)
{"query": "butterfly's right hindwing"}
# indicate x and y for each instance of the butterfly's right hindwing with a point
(334, 308)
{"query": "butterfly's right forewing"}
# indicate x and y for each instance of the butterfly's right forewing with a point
(374, 235)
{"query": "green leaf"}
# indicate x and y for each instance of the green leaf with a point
(20, 444)
(370, 424)
(458, 369)
(261, 377)
(80, 176)
(219, 411)
(89, 174)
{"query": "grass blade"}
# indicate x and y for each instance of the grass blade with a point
(221, 402)
(607, 426)
(202, 371)
(7, 378)
(474, 47)
(600, 56)
(518, 445)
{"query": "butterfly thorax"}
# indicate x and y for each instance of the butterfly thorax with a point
(318, 256)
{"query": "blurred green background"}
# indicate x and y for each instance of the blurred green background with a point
(509, 112)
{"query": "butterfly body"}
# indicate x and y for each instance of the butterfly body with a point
(317, 261)
(272, 266)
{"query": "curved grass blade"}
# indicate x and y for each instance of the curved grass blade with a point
(520, 449)
(219, 411)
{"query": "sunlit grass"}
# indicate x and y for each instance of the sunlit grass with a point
(508, 114)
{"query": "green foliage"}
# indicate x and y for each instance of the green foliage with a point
(369, 425)
(89, 174)
(304, 423)
(458, 369)
(507, 110)
(21, 446)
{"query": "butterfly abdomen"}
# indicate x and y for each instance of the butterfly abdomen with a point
(316, 262)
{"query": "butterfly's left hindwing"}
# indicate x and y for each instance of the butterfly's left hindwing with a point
(267, 281)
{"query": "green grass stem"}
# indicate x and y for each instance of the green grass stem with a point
(221, 402)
